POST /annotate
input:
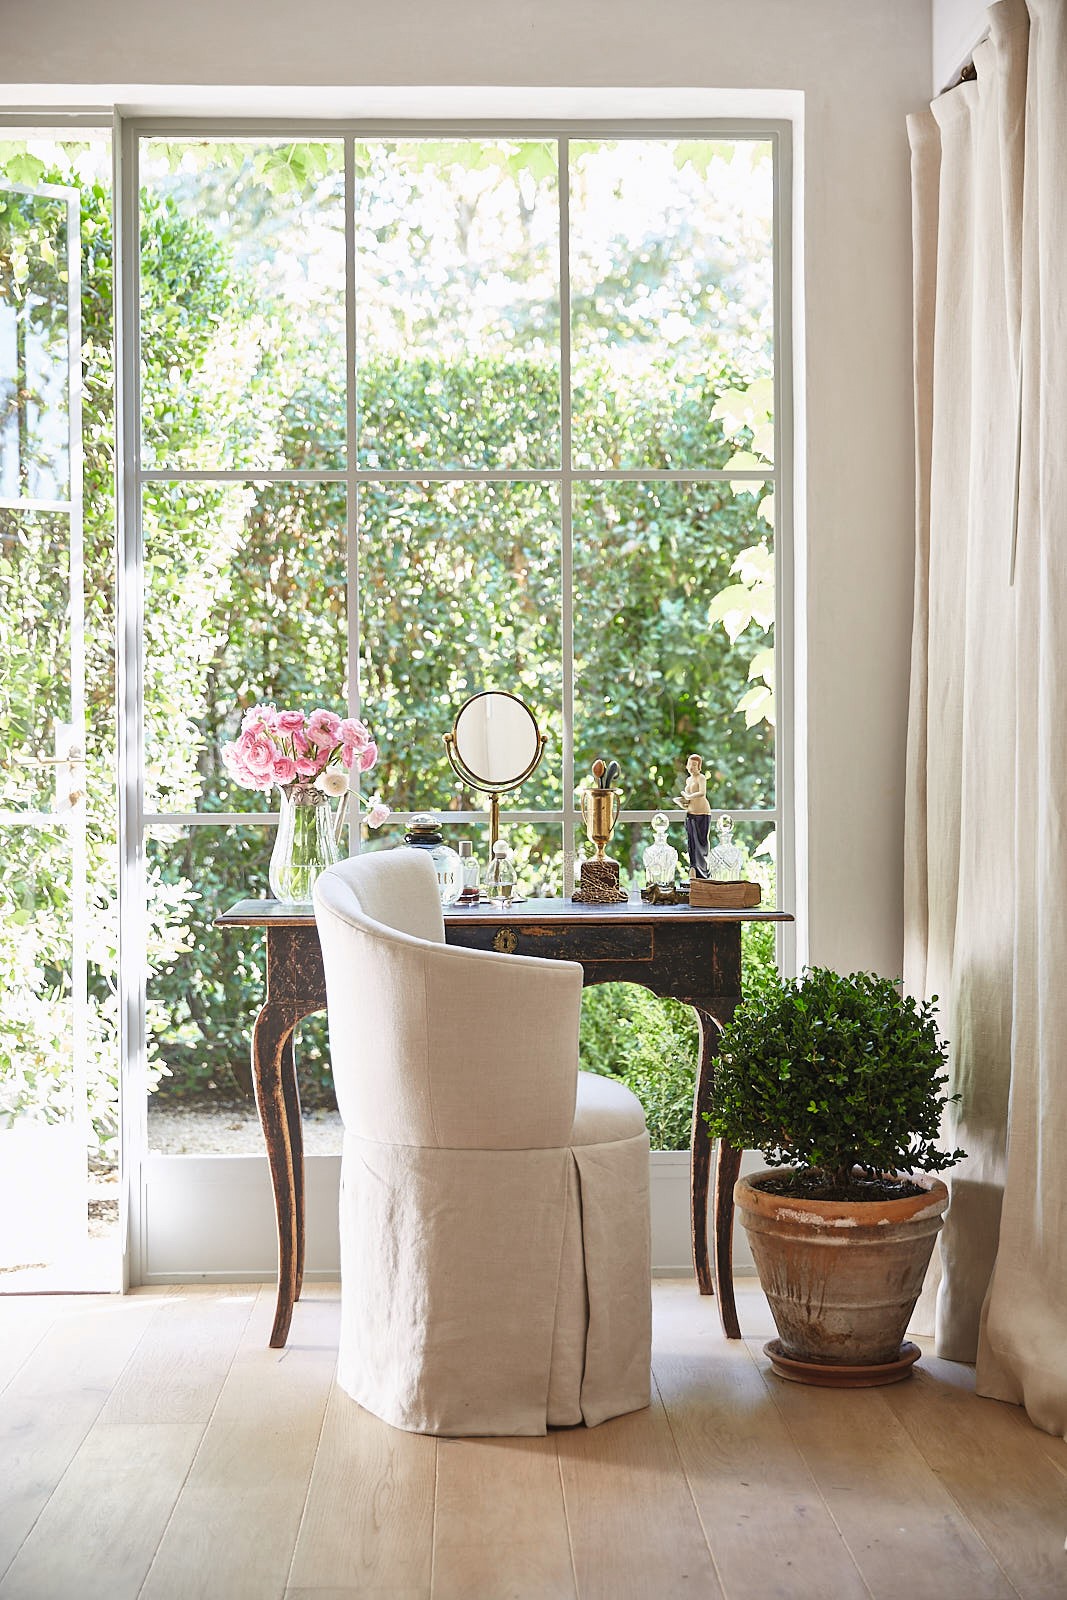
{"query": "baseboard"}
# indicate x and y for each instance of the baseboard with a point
(210, 1219)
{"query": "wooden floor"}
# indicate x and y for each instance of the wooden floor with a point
(154, 1446)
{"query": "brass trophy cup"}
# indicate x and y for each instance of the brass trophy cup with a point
(600, 812)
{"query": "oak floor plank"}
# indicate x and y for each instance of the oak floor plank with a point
(768, 1526)
(53, 1400)
(234, 1527)
(996, 1471)
(176, 1373)
(902, 1527)
(354, 1594)
(963, 1378)
(117, 1494)
(1055, 1448)
(500, 1525)
(368, 1521)
(635, 1533)
(293, 1490)
(24, 1321)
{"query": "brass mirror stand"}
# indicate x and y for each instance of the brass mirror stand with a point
(500, 783)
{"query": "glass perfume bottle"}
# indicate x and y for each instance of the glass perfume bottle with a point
(470, 893)
(425, 834)
(660, 858)
(727, 859)
(500, 875)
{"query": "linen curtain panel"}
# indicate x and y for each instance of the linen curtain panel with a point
(986, 822)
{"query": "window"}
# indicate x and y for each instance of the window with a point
(423, 415)
(59, 1065)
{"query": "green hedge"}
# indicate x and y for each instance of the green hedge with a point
(244, 597)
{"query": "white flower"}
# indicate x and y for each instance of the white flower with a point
(332, 780)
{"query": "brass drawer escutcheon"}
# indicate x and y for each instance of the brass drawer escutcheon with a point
(505, 942)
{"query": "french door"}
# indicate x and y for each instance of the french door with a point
(44, 1066)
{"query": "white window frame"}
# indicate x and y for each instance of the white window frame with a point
(134, 820)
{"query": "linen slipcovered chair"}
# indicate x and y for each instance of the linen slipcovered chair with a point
(495, 1256)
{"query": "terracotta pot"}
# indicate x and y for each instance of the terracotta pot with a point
(841, 1277)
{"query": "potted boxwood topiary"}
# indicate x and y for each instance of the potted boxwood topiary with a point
(842, 1077)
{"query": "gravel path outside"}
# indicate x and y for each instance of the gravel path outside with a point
(230, 1128)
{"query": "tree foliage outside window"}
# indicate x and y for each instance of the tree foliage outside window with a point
(246, 583)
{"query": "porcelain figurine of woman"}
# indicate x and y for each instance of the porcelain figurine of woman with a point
(694, 802)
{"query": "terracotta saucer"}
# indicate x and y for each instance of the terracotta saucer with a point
(831, 1375)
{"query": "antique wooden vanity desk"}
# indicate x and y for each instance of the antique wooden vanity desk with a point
(678, 951)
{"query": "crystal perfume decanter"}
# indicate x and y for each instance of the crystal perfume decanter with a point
(727, 859)
(660, 858)
(500, 875)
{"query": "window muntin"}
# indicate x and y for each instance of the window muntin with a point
(598, 412)
(424, 470)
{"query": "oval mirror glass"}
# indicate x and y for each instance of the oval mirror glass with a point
(497, 738)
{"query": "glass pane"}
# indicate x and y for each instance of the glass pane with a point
(205, 987)
(43, 1130)
(673, 638)
(34, 348)
(457, 304)
(537, 850)
(244, 602)
(242, 303)
(672, 303)
(35, 680)
(653, 1046)
(460, 592)
(56, 1100)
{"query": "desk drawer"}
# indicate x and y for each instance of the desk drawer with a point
(588, 945)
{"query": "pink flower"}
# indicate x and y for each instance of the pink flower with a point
(322, 728)
(230, 757)
(352, 731)
(258, 717)
(377, 814)
(283, 747)
(257, 753)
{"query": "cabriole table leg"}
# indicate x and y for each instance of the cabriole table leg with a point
(271, 1041)
(714, 1274)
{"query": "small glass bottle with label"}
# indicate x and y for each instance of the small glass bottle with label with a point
(425, 834)
(471, 892)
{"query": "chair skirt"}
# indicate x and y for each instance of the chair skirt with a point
(496, 1292)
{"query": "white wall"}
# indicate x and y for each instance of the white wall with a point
(860, 68)
(957, 26)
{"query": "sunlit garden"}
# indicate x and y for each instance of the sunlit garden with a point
(406, 586)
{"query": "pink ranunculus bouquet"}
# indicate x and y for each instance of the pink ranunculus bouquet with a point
(291, 748)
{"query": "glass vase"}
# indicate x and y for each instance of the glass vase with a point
(304, 845)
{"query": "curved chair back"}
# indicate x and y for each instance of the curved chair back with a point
(433, 1045)
(396, 888)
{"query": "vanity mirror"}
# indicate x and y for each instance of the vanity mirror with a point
(494, 746)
